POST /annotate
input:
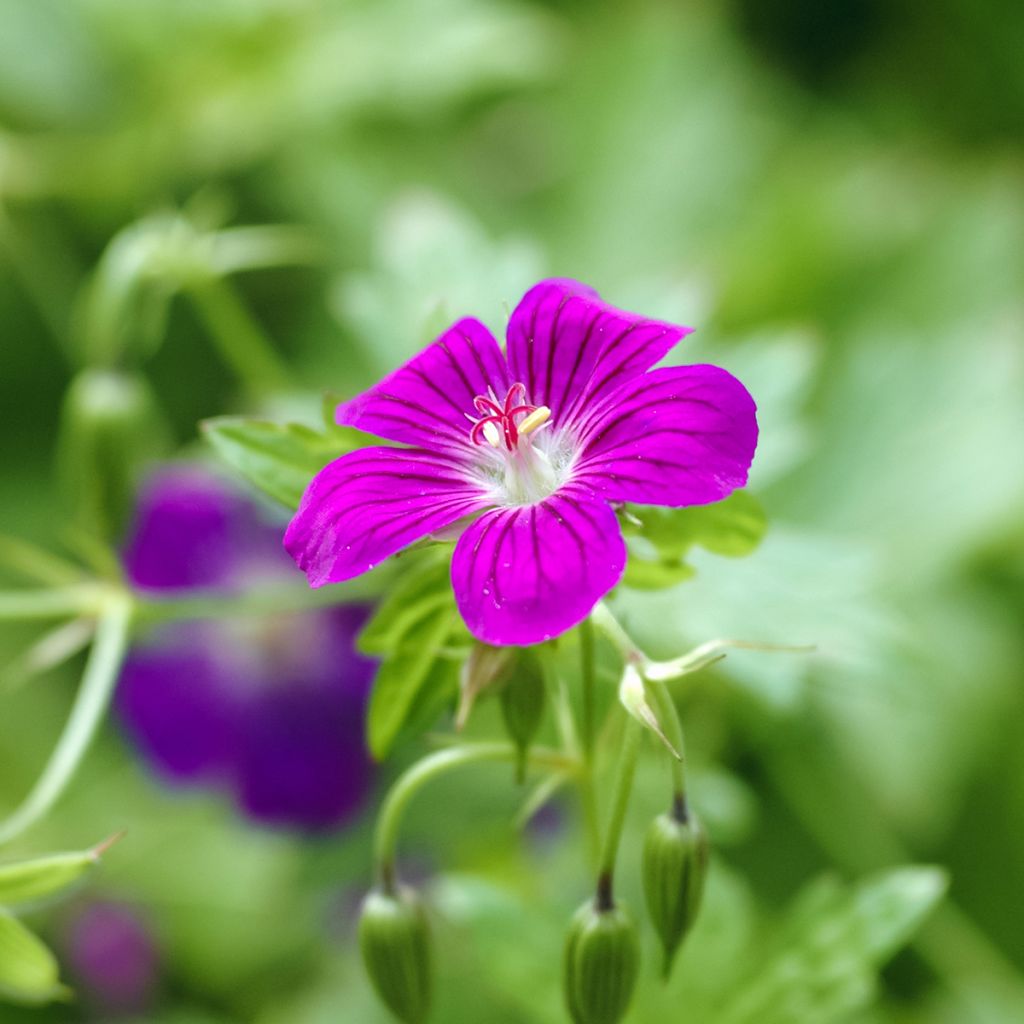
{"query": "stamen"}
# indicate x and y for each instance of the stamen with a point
(540, 415)
(497, 421)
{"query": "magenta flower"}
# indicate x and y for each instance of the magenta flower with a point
(527, 453)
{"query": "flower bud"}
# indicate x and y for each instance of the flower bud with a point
(395, 943)
(522, 706)
(601, 962)
(110, 427)
(674, 868)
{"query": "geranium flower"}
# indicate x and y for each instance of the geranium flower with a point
(267, 707)
(529, 452)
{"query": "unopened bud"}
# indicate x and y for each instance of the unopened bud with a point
(601, 962)
(110, 428)
(522, 706)
(395, 942)
(674, 868)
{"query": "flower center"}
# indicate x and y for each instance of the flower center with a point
(518, 470)
(497, 423)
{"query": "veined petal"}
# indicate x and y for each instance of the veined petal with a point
(426, 401)
(370, 503)
(571, 349)
(523, 575)
(675, 436)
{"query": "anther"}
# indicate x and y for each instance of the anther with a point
(535, 419)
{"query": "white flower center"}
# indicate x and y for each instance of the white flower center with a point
(520, 462)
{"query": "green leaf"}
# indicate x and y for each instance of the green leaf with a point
(28, 970)
(826, 957)
(278, 458)
(29, 880)
(422, 588)
(403, 674)
(660, 538)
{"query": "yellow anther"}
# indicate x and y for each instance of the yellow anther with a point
(492, 434)
(534, 419)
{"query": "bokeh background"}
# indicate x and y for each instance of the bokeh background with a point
(832, 193)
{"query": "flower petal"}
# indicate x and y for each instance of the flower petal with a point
(370, 503)
(676, 436)
(425, 402)
(523, 575)
(570, 348)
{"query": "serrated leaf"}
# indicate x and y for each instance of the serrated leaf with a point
(29, 880)
(827, 954)
(28, 970)
(278, 458)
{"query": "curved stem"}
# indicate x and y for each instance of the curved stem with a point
(101, 673)
(620, 804)
(673, 728)
(413, 779)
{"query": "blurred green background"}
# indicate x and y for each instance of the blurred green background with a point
(832, 193)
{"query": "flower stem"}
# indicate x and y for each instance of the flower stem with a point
(588, 796)
(588, 679)
(430, 767)
(238, 337)
(55, 603)
(620, 804)
(669, 717)
(605, 621)
(101, 673)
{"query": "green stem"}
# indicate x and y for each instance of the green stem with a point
(83, 599)
(101, 673)
(430, 767)
(605, 621)
(620, 804)
(588, 794)
(238, 337)
(673, 728)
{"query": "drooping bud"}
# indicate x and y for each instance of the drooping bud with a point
(395, 942)
(522, 706)
(600, 965)
(674, 869)
(110, 427)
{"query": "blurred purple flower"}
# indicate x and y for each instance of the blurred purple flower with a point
(528, 451)
(113, 960)
(269, 707)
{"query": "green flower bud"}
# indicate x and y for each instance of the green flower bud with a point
(674, 868)
(601, 962)
(110, 427)
(522, 706)
(395, 943)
